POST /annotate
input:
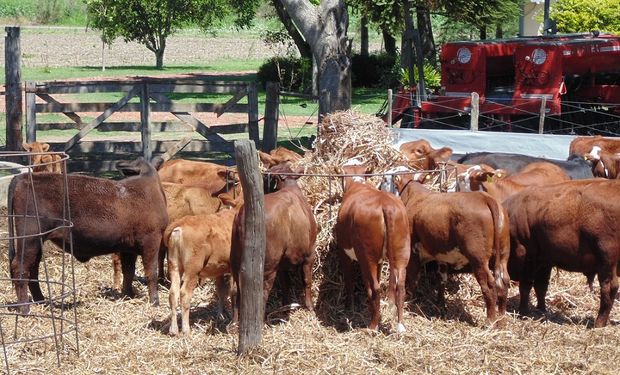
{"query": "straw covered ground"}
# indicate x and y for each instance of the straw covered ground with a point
(130, 336)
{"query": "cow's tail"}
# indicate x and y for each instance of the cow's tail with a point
(395, 242)
(174, 241)
(498, 228)
(11, 221)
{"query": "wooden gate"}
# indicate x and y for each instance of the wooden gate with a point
(144, 96)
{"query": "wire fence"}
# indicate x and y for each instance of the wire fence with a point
(527, 115)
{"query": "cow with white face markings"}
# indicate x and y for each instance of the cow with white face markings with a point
(604, 163)
(372, 227)
(459, 230)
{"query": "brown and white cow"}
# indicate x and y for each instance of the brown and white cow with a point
(584, 145)
(605, 164)
(41, 159)
(371, 227)
(199, 248)
(459, 230)
(572, 226)
(423, 156)
(291, 232)
(500, 186)
(217, 178)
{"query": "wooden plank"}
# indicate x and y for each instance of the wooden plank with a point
(83, 88)
(299, 95)
(145, 121)
(31, 115)
(72, 115)
(13, 98)
(99, 166)
(107, 113)
(252, 307)
(270, 130)
(253, 114)
(230, 128)
(226, 106)
(176, 148)
(124, 126)
(135, 147)
(136, 107)
(162, 88)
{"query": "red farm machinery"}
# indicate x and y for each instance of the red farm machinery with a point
(572, 81)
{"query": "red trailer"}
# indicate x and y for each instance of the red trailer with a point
(574, 79)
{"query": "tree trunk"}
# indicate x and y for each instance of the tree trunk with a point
(425, 28)
(364, 36)
(325, 28)
(298, 39)
(483, 32)
(159, 58)
(499, 31)
(389, 43)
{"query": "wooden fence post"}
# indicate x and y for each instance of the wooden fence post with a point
(251, 314)
(475, 111)
(31, 112)
(389, 108)
(145, 111)
(253, 113)
(272, 103)
(541, 119)
(325, 104)
(13, 96)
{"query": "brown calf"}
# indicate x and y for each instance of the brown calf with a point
(459, 229)
(291, 232)
(43, 162)
(127, 216)
(214, 177)
(372, 226)
(584, 145)
(604, 164)
(198, 248)
(571, 225)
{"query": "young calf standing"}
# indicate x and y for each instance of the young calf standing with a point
(372, 226)
(198, 248)
(291, 232)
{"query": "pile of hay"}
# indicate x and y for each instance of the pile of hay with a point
(343, 136)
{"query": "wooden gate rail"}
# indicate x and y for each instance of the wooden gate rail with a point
(153, 97)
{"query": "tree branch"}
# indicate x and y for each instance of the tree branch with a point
(306, 18)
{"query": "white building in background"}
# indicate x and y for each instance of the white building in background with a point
(532, 20)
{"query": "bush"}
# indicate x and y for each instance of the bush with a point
(293, 73)
(373, 70)
(584, 15)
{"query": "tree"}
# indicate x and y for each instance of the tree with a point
(325, 27)
(483, 13)
(574, 16)
(150, 22)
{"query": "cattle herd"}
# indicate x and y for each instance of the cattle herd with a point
(505, 217)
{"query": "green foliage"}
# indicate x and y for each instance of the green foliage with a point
(293, 73)
(483, 13)
(432, 77)
(58, 12)
(585, 15)
(375, 70)
(385, 14)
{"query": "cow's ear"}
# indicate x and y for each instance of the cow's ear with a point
(27, 146)
(45, 147)
(266, 159)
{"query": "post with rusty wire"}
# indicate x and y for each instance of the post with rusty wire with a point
(272, 108)
(13, 95)
(251, 312)
(541, 119)
(475, 111)
(389, 108)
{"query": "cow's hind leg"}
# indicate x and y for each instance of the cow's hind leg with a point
(190, 281)
(307, 275)
(223, 290)
(369, 274)
(346, 265)
(22, 270)
(150, 256)
(33, 284)
(398, 275)
(541, 284)
(117, 271)
(173, 296)
(485, 278)
(608, 280)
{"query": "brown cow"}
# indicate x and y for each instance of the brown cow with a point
(181, 200)
(217, 178)
(372, 226)
(291, 232)
(572, 226)
(279, 155)
(604, 164)
(584, 145)
(198, 248)
(423, 156)
(500, 186)
(127, 216)
(459, 229)
(43, 161)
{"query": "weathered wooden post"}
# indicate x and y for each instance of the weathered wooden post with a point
(13, 96)
(145, 112)
(389, 108)
(253, 113)
(251, 312)
(475, 111)
(272, 103)
(31, 112)
(325, 104)
(541, 119)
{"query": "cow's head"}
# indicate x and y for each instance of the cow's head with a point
(38, 158)
(135, 167)
(282, 175)
(231, 202)
(474, 176)
(353, 170)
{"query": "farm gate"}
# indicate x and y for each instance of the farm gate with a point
(165, 112)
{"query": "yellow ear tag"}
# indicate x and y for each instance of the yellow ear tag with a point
(490, 178)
